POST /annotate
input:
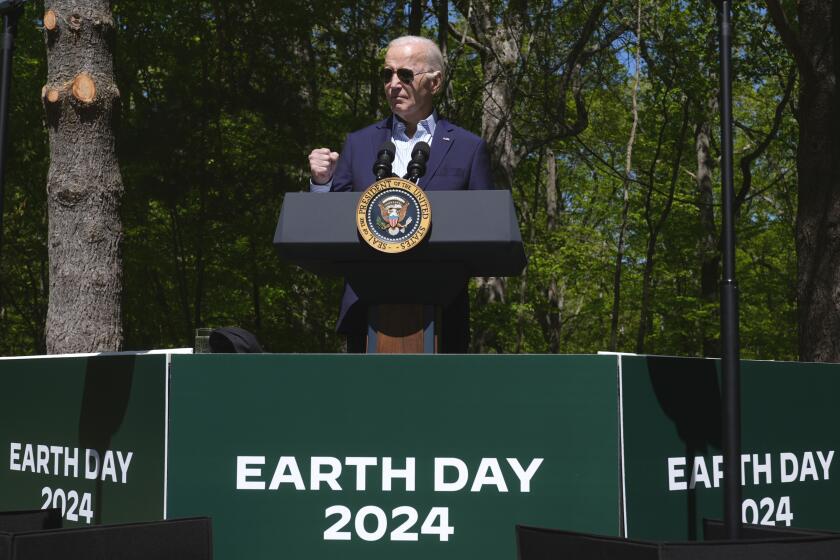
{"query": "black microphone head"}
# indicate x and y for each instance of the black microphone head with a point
(417, 166)
(421, 149)
(387, 148)
(384, 157)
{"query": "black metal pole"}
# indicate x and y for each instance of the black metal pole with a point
(10, 18)
(729, 295)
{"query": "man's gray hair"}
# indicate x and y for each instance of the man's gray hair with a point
(434, 58)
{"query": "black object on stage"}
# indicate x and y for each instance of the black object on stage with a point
(715, 530)
(474, 233)
(177, 539)
(535, 543)
(729, 336)
(30, 520)
(233, 340)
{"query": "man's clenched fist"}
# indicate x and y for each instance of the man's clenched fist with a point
(322, 164)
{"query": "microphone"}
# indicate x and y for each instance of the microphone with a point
(417, 166)
(384, 157)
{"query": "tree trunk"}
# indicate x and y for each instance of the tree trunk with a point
(554, 295)
(499, 59)
(499, 65)
(415, 18)
(816, 50)
(84, 186)
(619, 259)
(708, 246)
(442, 12)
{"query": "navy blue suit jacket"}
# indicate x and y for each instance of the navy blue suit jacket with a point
(458, 161)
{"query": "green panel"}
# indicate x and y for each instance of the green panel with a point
(672, 410)
(53, 410)
(562, 409)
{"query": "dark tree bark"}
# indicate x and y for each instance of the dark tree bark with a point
(708, 244)
(415, 19)
(84, 185)
(816, 50)
(442, 12)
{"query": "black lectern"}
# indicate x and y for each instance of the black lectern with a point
(473, 233)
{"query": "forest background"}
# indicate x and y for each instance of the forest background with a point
(602, 119)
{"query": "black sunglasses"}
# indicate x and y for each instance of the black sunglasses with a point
(405, 75)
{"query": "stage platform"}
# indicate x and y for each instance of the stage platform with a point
(375, 457)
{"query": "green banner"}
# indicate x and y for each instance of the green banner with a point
(672, 445)
(342, 456)
(84, 434)
(348, 456)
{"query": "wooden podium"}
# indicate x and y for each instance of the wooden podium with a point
(473, 233)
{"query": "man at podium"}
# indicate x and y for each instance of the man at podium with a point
(412, 75)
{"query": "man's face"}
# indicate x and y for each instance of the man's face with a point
(413, 101)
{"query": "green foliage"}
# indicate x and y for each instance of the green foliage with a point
(221, 102)
(24, 279)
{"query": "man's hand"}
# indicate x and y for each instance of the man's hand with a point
(322, 164)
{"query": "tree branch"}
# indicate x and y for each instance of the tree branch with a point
(579, 46)
(747, 160)
(790, 38)
(465, 38)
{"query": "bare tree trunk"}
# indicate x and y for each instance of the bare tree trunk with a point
(552, 206)
(816, 49)
(499, 60)
(499, 63)
(84, 185)
(554, 294)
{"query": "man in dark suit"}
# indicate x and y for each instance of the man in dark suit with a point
(412, 75)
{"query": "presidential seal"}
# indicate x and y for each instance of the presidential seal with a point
(393, 215)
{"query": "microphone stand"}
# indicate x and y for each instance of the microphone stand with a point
(414, 176)
(11, 10)
(730, 344)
